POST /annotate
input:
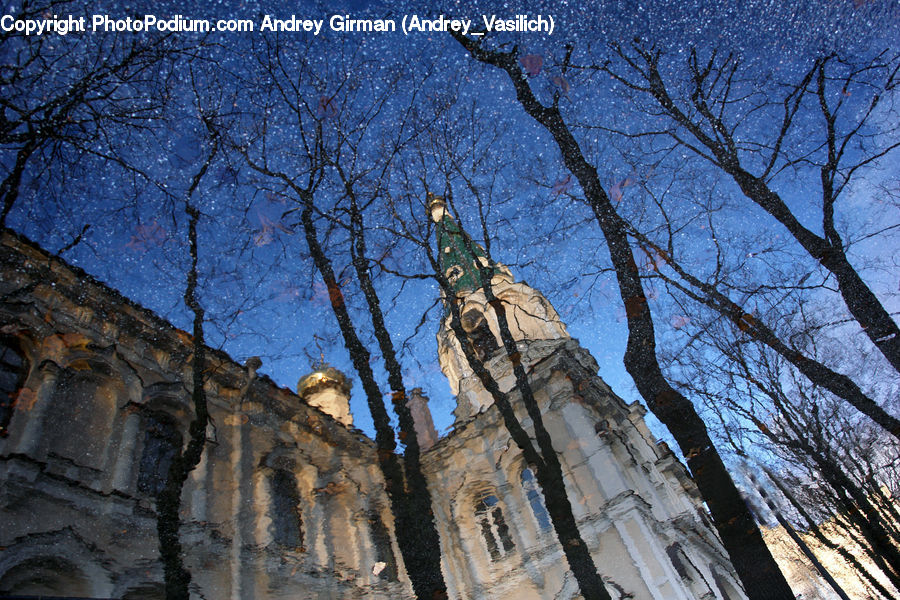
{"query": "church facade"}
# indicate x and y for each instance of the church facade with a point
(288, 500)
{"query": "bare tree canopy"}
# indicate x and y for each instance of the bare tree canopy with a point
(705, 195)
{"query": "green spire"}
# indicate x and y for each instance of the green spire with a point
(460, 258)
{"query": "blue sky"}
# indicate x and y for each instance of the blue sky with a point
(259, 287)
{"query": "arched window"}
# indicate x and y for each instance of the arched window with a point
(45, 575)
(78, 423)
(287, 525)
(153, 591)
(535, 499)
(13, 369)
(381, 541)
(481, 338)
(161, 442)
(493, 527)
(725, 588)
(676, 555)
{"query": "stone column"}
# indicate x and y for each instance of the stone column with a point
(32, 414)
(237, 540)
(126, 459)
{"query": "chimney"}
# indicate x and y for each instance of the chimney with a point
(425, 431)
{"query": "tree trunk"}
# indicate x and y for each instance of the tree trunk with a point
(425, 560)
(168, 502)
(547, 468)
(749, 554)
(419, 565)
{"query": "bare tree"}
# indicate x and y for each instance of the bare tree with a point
(68, 100)
(820, 532)
(462, 149)
(336, 160)
(829, 127)
(426, 558)
(843, 470)
(708, 293)
(185, 460)
(542, 455)
(740, 535)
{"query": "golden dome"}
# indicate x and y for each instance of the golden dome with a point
(324, 376)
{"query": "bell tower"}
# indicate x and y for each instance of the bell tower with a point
(533, 321)
(637, 510)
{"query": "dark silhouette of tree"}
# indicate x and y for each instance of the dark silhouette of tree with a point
(335, 158)
(814, 527)
(426, 559)
(69, 100)
(798, 541)
(749, 554)
(843, 469)
(453, 149)
(756, 327)
(416, 539)
(543, 456)
(827, 127)
(185, 460)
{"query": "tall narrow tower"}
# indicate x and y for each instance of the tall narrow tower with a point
(635, 506)
(531, 317)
